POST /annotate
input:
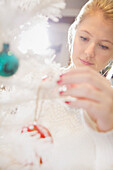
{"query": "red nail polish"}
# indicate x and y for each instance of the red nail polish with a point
(59, 81)
(67, 102)
(61, 92)
(61, 75)
(44, 78)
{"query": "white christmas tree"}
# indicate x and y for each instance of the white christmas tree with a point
(24, 144)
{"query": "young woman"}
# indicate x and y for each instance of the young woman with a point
(91, 50)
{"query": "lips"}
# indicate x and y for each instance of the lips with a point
(86, 62)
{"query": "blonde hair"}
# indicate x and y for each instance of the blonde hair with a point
(92, 6)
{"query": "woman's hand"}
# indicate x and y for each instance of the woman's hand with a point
(93, 93)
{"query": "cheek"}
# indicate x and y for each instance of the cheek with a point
(77, 50)
(102, 61)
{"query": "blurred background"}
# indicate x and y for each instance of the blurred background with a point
(58, 31)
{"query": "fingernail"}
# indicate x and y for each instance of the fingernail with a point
(59, 81)
(61, 92)
(44, 78)
(67, 102)
(61, 75)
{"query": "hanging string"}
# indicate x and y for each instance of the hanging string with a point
(38, 106)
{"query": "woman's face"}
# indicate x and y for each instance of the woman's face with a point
(93, 42)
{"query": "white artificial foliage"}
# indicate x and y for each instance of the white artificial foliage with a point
(15, 13)
(25, 155)
(50, 8)
(18, 93)
(18, 102)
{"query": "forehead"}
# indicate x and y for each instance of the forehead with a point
(98, 26)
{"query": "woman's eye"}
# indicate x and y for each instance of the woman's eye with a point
(84, 38)
(103, 47)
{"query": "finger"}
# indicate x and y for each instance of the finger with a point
(83, 70)
(98, 82)
(85, 91)
(90, 107)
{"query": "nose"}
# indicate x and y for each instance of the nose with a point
(90, 50)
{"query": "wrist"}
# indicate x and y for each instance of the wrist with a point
(105, 125)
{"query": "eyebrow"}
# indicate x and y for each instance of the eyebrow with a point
(107, 41)
(87, 32)
(101, 40)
